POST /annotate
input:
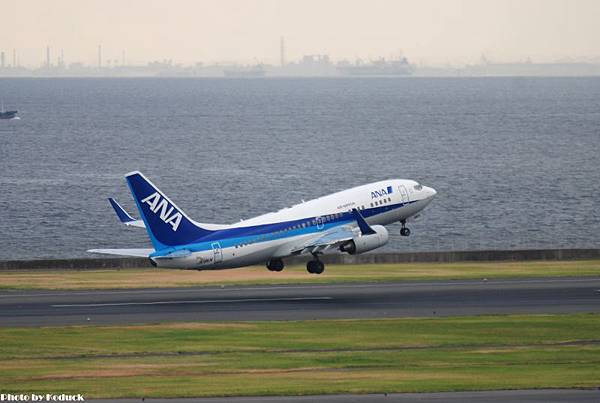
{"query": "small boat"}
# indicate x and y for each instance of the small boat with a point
(7, 114)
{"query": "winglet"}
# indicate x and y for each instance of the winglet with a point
(121, 213)
(365, 229)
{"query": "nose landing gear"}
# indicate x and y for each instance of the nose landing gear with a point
(404, 231)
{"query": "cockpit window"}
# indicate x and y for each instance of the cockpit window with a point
(418, 186)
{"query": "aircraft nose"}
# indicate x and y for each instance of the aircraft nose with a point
(429, 191)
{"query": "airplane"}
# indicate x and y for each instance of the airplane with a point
(350, 221)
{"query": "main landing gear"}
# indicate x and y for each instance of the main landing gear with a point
(315, 266)
(275, 265)
(404, 231)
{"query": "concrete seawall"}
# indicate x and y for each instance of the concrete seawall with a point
(368, 258)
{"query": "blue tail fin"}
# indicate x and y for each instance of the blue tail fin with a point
(166, 223)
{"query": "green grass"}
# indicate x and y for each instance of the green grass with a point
(304, 357)
(149, 278)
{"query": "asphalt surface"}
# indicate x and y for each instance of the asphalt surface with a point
(294, 302)
(503, 396)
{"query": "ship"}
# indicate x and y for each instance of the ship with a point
(380, 67)
(7, 114)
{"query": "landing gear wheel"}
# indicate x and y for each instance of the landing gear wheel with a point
(275, 265)
(405, 231)
(315, 267)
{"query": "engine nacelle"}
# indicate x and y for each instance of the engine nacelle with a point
(366, 243)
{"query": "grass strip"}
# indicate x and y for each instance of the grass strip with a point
(151, 278)
(304, 357)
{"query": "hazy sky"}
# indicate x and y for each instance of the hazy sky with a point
(441, 31)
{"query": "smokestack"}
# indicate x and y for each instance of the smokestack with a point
(99, 56)
(282, 51)
(48, 56)
(1, 60)
(14, 57)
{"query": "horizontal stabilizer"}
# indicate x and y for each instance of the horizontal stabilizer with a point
(124, 252)
(124, 216)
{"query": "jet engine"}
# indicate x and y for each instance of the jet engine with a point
(365, 243)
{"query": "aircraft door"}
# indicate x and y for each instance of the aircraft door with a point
(403, 193)
(319, 222)
(217, 252)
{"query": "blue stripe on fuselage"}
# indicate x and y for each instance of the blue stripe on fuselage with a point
(275, 231)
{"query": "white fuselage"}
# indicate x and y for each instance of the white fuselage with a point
(278, 234)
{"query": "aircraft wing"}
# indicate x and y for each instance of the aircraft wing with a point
(336, 236)
(124, 252)
(124, 216)
(328, 240)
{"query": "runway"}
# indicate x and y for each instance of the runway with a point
(296, 302)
